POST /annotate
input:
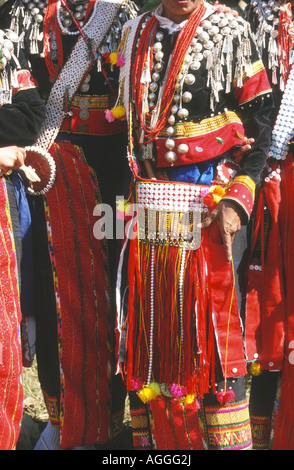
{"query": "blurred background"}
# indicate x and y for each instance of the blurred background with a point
(148, 5)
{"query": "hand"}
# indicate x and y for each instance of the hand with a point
(229, 220)
(11, 158)
(239, 153)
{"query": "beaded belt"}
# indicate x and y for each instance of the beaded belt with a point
(170, 213)
(88, 116)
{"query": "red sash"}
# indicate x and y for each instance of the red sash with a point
(81, 289)
(11, 390)
(284, 428)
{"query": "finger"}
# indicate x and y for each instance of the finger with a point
(227, 240)
(209, 219)
(19, 159)
(23, 152)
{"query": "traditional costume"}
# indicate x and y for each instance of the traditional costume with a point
(21, 114)
(269, 310)
(73, 49)
(191, 92)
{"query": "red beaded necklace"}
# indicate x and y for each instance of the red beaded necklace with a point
(51, 24)
(185, 37)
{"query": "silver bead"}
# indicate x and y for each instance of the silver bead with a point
(198, 47)
(39, 18)
(206, 24)
(209, 45)
(170, 144)
(152, 96)
(189, 79)
(155, 76)
(215, 18)
(174, 109)
(171, 157)
(159, 55)
(223, 22)
(213, 30)
(187, 97)
(7, 44)
(177, 98)
(226, 30)
(195, 65)
(157, 46)
(159, 36)
(171, 120)
(204, 36)
(78, 15)
(158, 67)
(67, 22)
(188, 58)
(183, 113)
(170, 131)
(153, 87)
(217, 38)
(183, 149)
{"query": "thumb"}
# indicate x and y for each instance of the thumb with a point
(209, 219)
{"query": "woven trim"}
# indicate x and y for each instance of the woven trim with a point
(73, 71)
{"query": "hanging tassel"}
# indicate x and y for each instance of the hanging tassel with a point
(225, 397)
(255, 369)
(148, 393)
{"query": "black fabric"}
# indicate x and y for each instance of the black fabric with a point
(263, 393)
(21, 120)
(256, 115)
(44, 303)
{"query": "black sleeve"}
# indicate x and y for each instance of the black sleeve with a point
(257, 121)
(20, 121)
(255, 108)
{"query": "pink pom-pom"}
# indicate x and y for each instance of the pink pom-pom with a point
(204, 191)
(120, 60)
(177, 391)
(109, 116)
(137, 384)
(225, 398)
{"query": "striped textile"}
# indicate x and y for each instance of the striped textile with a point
(81, 292)
(228, 426)
(11, 390)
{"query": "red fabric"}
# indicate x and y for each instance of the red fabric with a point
(241, 194)
(284, 427)
(78, 263)
(25, 81)
(266, 296)
(175, 427)
(252, 87)
(232, 133)
(273, 296)
(220, 287)
(96, 124)
(11, 390)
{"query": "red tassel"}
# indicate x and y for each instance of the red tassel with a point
(225, 397)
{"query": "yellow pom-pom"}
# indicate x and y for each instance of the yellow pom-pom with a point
(219, 191)
(255, 369)
(119, 112)
(216, 199)
(148, 393)
(189, 399)
(113, 58)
